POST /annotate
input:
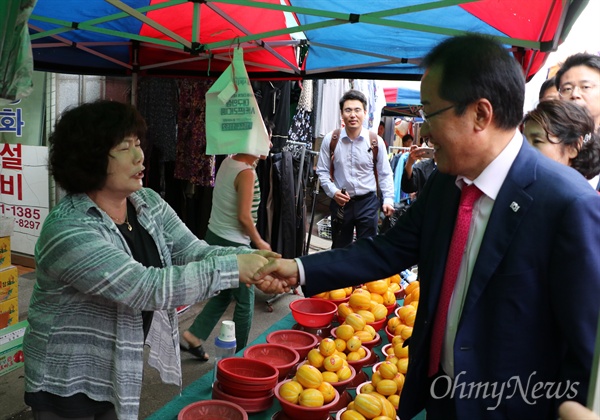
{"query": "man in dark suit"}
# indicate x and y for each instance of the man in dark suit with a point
(518, 328)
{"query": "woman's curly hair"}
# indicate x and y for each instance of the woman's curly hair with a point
(82, 139)
(570, 123)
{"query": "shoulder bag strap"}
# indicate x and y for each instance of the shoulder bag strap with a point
(335, 136)
(375, 150)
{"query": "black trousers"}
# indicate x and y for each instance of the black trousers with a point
(361, 213)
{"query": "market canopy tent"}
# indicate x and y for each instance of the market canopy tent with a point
(401, 102)
(284, 39)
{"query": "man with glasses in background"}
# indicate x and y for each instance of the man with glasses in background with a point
(352, 166)
(578, 80)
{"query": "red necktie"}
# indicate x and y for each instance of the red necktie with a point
(468, 196)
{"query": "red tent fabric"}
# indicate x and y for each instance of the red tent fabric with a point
(284, 39)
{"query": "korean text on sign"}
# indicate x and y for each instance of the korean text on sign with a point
(11, 121)
(11, 176)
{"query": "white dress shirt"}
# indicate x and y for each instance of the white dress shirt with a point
(489, 182)
(353, 167)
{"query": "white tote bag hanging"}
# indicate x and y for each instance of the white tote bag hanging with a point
(233, 120)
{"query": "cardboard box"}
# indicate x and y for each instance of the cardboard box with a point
(7, 226)
(4, 251)
(11, 307)
(11, 347)
(9, 283)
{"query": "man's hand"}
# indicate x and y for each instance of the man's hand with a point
(341, 198)
(388, 209)
(273, 286)
(284, 270)
(413, 155)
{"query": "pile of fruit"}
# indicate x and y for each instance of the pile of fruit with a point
(369, 301)
(337, 294)
(369, 406)
(387, 380)
(401, 327)
(360, 312)
(354, 326)
(307, 388)
(329, 358)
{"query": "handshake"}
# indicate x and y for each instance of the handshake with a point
(268, 272)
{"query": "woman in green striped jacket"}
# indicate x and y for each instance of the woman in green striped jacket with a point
(113, 262)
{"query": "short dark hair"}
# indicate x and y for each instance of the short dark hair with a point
(269, 125)
(474, 67)
(548, 84)
(82, 139)
(579, 59)
(353, 95)
(407, 137)
(570, 122)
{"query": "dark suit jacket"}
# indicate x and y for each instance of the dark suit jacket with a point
(531, 310)
(421, 172)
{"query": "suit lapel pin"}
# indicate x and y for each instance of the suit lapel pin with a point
(514, 206)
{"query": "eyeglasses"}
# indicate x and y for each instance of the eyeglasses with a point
(349, 111)
(434, 113)
(568, 89)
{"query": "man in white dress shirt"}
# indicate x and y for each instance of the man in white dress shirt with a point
(360, 167)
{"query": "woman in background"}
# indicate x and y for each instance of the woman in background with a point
(565, 132)
(236, 197)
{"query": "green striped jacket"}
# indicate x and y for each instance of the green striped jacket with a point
(85, 316)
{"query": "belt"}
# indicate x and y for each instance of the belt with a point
(362, 197)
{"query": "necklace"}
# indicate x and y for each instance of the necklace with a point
(126, 221)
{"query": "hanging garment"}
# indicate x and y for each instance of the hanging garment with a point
(274, 102)
(265, 209)
(283, 235)
(192, 163)
(158, 102)
(333, 90)
(301, 129)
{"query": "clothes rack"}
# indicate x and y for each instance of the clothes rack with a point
(400, 148)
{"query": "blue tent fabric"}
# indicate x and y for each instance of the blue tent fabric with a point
(403, 43)
(383, 39)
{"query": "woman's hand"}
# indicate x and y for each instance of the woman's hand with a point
(285, 270)
(267, 253)
(248, 264)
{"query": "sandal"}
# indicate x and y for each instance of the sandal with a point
(197, 352)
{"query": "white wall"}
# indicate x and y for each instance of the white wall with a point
(583, 37)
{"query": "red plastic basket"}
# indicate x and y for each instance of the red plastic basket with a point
(278, 355)
(249, 404)
(212, 410)
(301, 341)
(313, 312)
(248, 372)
